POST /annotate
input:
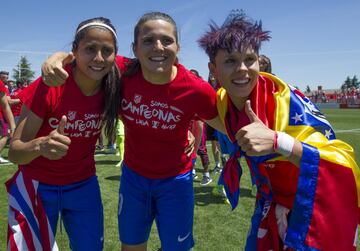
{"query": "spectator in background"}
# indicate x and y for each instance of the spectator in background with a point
(25, 83)
(14, 100)
(323, 98)
(120, 140)
(7, 114)
(353, 96)
(111, 145)
(100, 147)
(265, 64)
(4, 76)
(11, 86)
(198, 130)
(211, 133)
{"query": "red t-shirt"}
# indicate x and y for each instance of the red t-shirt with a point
(83, 128)
(156, 120)
(2, 87)
(6, 90)
(16, 109)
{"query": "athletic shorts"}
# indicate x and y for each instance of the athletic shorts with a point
(3, 128)
(170, 202)
(81, 212)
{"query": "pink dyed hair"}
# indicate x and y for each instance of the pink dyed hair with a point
(236, 34)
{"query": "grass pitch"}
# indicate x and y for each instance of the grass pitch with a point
(216, 227)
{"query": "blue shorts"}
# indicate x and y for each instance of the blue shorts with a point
(169, 201)
(81, 211)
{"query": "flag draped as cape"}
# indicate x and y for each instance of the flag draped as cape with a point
(28, 225)
(323, 193)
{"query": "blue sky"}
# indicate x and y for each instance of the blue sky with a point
(314, 42)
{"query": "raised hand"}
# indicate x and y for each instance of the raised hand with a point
(255, 139)
(53, 72)
(56, 144)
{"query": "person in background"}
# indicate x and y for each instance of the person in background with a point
(15, 101)
(120, 140)
(265, 64)
(200, 146)
(212, 134)
(7, 122)
(4, 77)
(226, 148)
(11, 86)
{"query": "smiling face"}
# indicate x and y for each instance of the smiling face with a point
(237, 72)
(95, 55)
(156, 48)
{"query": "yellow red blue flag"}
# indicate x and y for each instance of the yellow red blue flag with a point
(322, 194)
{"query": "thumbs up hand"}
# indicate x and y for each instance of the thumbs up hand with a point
(256, 139)
(62, 124)
(56, 144)
(250, 113)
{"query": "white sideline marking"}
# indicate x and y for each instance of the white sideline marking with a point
(348, 130)
(6, 164)
(355, 130)
(99, 155)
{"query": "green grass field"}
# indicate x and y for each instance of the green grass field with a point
(215, 226)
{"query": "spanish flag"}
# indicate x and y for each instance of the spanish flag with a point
(322, 194)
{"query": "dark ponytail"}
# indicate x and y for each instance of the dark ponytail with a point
(111, 85)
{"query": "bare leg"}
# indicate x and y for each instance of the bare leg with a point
(216, 151)
(3, 141)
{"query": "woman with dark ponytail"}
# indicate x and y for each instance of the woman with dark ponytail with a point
(54, 146)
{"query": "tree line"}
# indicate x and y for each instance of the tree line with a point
(349, 83)
(22, 72)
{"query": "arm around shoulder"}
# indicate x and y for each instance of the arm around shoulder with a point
(53, 72)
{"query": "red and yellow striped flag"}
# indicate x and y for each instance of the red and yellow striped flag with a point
(323, 193)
